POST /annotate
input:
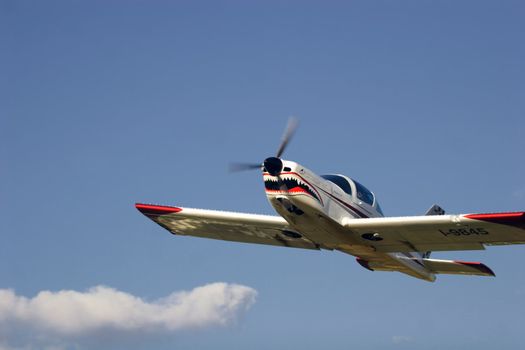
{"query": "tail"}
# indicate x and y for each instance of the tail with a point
(454, 267)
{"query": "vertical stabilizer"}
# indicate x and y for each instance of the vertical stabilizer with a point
(434, 210)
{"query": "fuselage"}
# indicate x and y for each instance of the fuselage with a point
(318, 207)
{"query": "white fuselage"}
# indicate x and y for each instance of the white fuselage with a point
(319, 209)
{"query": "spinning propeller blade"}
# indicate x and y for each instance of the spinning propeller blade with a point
(293, 123)
(273, 165)
(236, 167)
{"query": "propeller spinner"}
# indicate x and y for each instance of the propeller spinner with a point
(273, 165)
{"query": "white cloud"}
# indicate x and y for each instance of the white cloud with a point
(73, 314)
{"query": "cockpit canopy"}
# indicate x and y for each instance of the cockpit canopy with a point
(361, 192)
(339, 181)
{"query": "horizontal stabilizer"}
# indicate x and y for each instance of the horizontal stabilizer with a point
(452, 267)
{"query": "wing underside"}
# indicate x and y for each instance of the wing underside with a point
(227, 226)
(439, 233)
(379, 243)
(383, 235)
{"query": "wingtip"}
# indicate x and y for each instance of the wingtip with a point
(152, 209)
(516, 216)
(515, 219)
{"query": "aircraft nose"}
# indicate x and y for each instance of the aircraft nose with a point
(273, 165)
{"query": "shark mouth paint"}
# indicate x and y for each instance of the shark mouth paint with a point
(288, 184)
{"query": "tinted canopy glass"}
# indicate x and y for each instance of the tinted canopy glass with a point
(339, 181)
(364, 194)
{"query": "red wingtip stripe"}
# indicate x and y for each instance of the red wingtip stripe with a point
(156, 209)
(467, 262)
(497, 216)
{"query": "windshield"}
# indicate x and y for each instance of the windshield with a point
(339, 181)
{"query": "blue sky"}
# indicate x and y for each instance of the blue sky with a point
(108, 103)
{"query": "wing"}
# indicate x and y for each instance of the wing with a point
(440, 232)
(227, 226)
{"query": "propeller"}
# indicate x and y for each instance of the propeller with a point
(293, 123)
(236, 167)
(274, 165)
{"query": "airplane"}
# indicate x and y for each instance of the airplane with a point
(335, 212)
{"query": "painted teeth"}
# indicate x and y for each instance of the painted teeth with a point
(286, 183)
